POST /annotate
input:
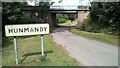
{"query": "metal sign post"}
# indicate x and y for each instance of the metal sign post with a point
(42, 47)
(16, 53)
(42, 40)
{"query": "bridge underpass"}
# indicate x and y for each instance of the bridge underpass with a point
(49, 15)
(54, 13)
(66, 10)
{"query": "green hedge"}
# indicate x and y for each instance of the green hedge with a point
(62, 20)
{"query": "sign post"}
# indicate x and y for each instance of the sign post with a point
(16, 52)
(42, 40)
(42, 47)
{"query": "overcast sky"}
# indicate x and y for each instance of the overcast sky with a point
(71, 2)
(68, 3)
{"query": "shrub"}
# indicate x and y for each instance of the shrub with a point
(87, 25)
(62, 20)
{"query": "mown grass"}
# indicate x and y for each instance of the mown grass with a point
(31, 45)
(68, 22)
(109, 39)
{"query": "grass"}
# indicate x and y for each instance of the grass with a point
(68, 22)
(97, 36)
(30, 46)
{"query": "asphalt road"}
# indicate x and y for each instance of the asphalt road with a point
(87, 52)
(74, 23)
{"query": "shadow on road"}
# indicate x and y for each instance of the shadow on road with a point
(62, 28)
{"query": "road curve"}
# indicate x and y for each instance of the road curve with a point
(87, 52)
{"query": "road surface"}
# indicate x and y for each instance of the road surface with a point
(87, 52)
(74, 23)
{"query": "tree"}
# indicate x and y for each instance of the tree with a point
(11, 11)
(62, 18)
(106, 15)
(72, 16)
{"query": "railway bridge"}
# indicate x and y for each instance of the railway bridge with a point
(48, 14)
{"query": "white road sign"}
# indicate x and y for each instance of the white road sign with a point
(26, 29)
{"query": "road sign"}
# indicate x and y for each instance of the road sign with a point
(26, 29)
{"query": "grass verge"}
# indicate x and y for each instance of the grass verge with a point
(68, 22)
(97, 36)
(29, 53)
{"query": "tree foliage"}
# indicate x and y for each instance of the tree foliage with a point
(11, 11)
(105, 15)
(72, 17)
(62, 18)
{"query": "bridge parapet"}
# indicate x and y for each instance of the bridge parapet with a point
(68, 8)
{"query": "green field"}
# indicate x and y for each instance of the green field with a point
(97, 36)
(29, 53)
(67, 23)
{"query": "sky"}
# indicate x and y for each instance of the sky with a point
(71, 2)
(68, 3)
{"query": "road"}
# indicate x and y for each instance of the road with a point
(87, 52)
(74, 23)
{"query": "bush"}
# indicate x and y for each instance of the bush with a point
(82, 27)
(88, 26)
(62, 20)
(26, 20)
(95, 30)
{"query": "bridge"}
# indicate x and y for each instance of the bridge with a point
(50, 16)
(56, 8)
(71, 9)
(67, 9)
